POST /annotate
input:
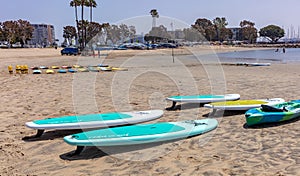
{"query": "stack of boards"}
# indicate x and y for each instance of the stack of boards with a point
(75, 68)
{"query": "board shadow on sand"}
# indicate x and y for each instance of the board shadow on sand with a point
(50, 135)
(185, 106)
(222, 113)
(271, 125)
(98, 152)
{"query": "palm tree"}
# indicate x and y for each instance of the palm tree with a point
(92, 4)
(75, 4)
(154, 15)
(82, 4)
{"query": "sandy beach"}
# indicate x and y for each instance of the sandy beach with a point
(231, 149)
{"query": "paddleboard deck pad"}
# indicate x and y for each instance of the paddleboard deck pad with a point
(141, 133)
(90, 121)
(201, 99)
(242, 105)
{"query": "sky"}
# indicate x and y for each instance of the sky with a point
(173, 13)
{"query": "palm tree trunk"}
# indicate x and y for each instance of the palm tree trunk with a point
(82, 28)
(91, 13)
(77, 26)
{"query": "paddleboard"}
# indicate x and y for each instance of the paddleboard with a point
(72, 70)
(94, 120)
(242, 105)
(77, 66)
(34, 68)
(55, 67)
(83, 70)
(43, 67)
(105, 68)
(50, 71)
(258, 64)
(93, 69)
(66, 67)
(62, 71)
(36, 71)
(202, 98)
(119, 69)
(141, 133)
(103, 65)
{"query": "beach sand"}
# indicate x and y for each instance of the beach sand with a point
(231, 149)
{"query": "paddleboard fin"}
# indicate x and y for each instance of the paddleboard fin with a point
(78, 150)
(39, 133)
(172, 107)
(213, 112)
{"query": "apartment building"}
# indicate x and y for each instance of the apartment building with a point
(43, 35)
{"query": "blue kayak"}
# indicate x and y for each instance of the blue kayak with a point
(275, 113)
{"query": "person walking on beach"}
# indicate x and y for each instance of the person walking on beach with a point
(283, 49)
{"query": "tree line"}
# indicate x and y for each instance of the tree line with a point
(98, 33)
(16, 31)
(84, 30)
(216, 30)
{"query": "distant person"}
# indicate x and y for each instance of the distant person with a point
(277, 50)
(283, 49)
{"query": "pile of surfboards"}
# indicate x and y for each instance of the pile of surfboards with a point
(66, 69)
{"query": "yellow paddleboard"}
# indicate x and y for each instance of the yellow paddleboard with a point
(83, 70)
(243, 104)
(50, 71)
(55, 67)
(119, 69)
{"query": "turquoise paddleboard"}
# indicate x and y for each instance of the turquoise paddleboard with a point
(141, 133)
(89, 121)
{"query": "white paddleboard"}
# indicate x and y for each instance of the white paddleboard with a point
(90, 121)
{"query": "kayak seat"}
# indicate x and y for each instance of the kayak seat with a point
(267, 108)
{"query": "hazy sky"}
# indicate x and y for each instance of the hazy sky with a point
(284, 13)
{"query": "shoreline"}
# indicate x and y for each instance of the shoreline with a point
(35, 53)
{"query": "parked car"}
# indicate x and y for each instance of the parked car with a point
(70, 51)
(167, 45)
(4, 44)
(16, 45)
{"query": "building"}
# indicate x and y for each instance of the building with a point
(43, 35)
(236, 33)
